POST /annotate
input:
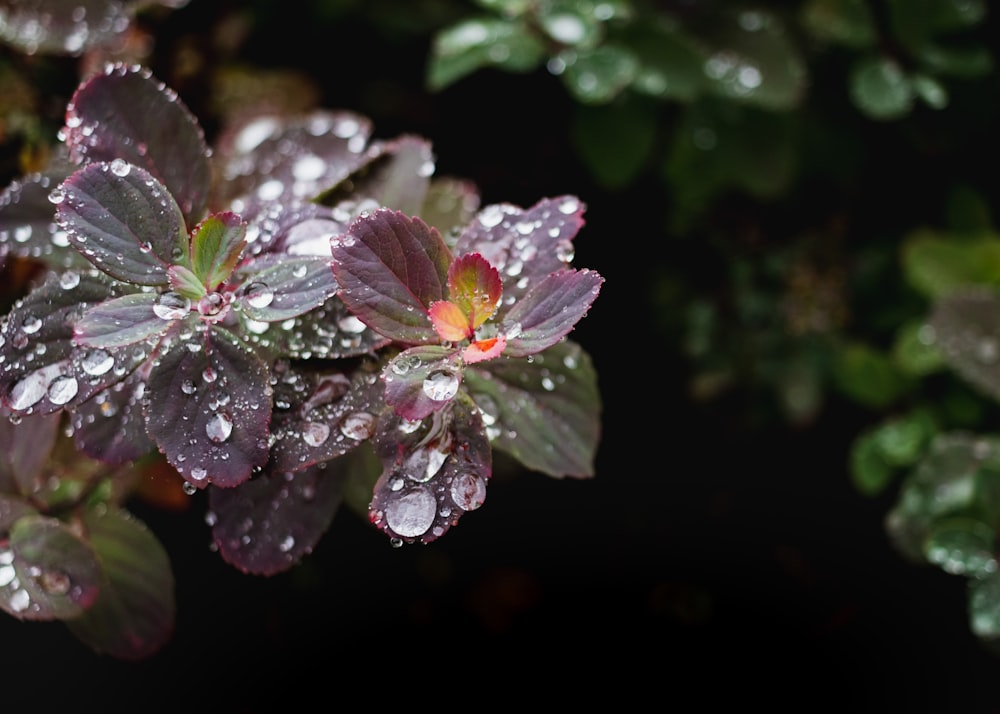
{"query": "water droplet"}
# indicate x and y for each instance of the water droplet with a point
(54, 582)
(423, 464)
(209, 375)
(412, 513)
(258, 295)
(351, 325)
(468, 491)
(308, 168)
(198, 473)
(62, 389)
(187, 386)
(211, 304)
(218, 427)
(120, 167)
(315, 433)
(171, 306)
(358, 426)
(31, 324)
(97, 362)
(441, 385)
(69, 280)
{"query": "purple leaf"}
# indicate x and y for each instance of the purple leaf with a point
(451, 203)
(209, 409)
(27, 220)
(327, 332)
(25, 448)
(111, 427)
(268, 524)
(422, 380)
(431, 475)
(550, 310)
(524, 245)
(120, 321)
(42, 369)
(292, 228)
(56, 574)
(64, 27)
(278, 287)
(320, 416)
(125, 113)
(272, 159)
(395, 174)
(123, 220)
(216, 246)
(391, 267)
(546, 412)
(134, 615)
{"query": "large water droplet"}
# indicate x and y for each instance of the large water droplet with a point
(258, 295)
(31, 324)
(412, 513)
(62, 389)
(315, 433)
(97, 362)
(198, 473)
(120, 167)
(358, 426)
(441, 385)
(171, 306)
(468, 491)
(219, 426)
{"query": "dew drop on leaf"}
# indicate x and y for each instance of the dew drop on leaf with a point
(62, 389)
(69, 280)
(468, 491)
(187, 386)
(171, 306)
(315, 433)
(120, 167)
(412, 513)
(258, 295)
(358, 426)
(97, 362)
(198, 473)
(31, 324)
(441, 385)
(219, 426)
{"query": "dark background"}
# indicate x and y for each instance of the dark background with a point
(713, 563)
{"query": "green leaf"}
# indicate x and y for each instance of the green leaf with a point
(545, 413)
(880, 88)
(870, 472)
(186, 283)
(599, 75)
(56, 575)
(472, 44)
(936, 264)
(216, 245)
(868, 376)
(901, 441)
(984, 605)
(670, 60)
(965, 61)
(615, 140)
(846, 22)
(134, 615)
(962, 546)
(914, 351)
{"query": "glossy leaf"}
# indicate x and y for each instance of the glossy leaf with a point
(268, 524)
(111, 427)
(550, 310)
(209, 409)
(279, 287)
(526, 243)
(545, 413)
(125, 113)
(123, 220)
(449, 321)
(120, 321)
(475, 43)
(27, 220)
(431, 475)
(25, 449)
(390, 268)
(474, 286)
(321, 416)
(216, 245)
(134, 615)
(962, 546)
(59, 373)
(599, 75)
(422, 380)
(56, 575)
(64, 27)
(966, 326)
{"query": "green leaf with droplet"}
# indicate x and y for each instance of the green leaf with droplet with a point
(962, 546)
(216, 246)
(570, 25)
(984, 605)
(134, 614)
(470, 45)
(936, 263)
(599, 75)
(57, 573)
(914, 352)
(902, 440)
(880, 88)
(670, 60)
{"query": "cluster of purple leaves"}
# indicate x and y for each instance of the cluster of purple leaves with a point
(255, 311)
